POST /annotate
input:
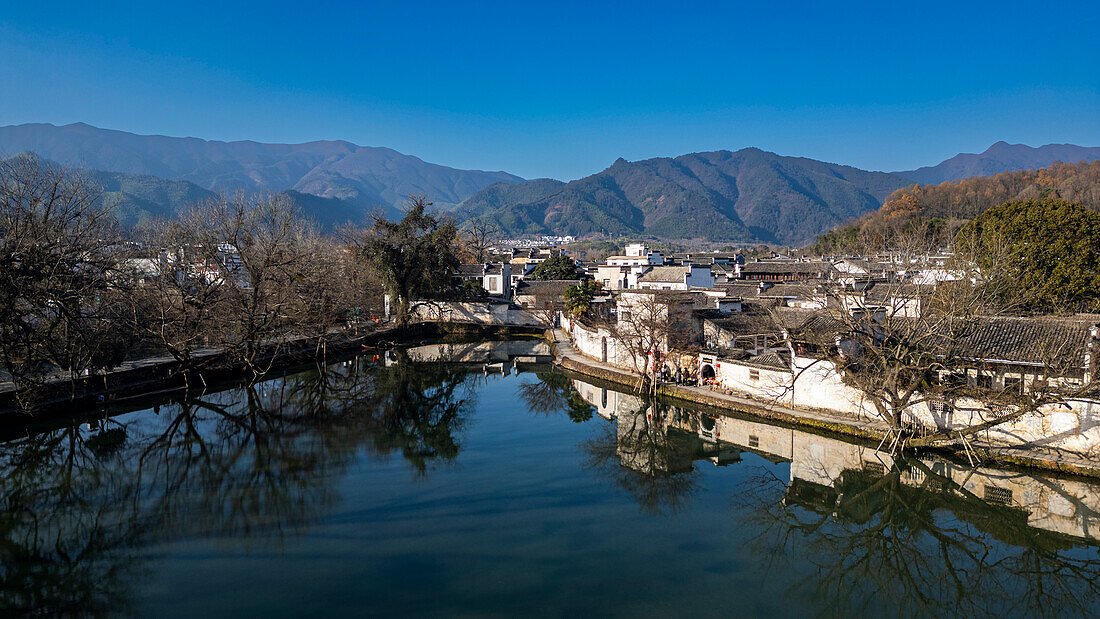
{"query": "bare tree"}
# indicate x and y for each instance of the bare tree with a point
(649, 326)
(921, 356)
(60, 276)
(478, 237)
(181, 304)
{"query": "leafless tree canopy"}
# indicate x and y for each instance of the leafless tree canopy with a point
(60, 282)
(233, 280)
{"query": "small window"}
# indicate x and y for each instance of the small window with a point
(875, 468)
(985, 381)
(1000, 496)
(754, 375)
(1014, 384)
(754, 441)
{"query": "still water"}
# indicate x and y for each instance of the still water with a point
(393, 485)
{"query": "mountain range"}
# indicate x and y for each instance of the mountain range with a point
(365, 176)
(748, 195)
(1001, 157)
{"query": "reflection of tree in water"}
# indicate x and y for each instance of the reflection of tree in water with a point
(879, 544)
(417, 408)
(59, 534)
(246, 462)
(648, 459)
(553, 393)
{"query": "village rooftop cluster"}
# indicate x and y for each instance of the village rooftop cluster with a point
(762, 329)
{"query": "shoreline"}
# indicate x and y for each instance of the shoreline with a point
(147, 379)
(158, 375)
(567, 357)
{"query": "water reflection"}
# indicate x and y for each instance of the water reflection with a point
(246, 463)
(834, 526)
(646, 455)
(915, 536)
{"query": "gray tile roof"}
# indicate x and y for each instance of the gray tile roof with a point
(769, 360)
(783, 266)
(1062, 342)
(544, 287)
(666, 275)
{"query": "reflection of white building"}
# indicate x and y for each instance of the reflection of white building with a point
(1066, 506)
(608, 402)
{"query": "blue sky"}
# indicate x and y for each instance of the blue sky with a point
(562, 89)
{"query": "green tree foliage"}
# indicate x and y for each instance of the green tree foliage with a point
(578, 298)
(558, 267)
(1047, 251)
(414, 257)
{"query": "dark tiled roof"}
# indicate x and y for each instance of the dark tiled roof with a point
(745, 291)
(544, 287)
(1029, 340)
(471, 269)
(770, 360)
(778, 266)
(790, 291)
(668, 275)
(819, 325)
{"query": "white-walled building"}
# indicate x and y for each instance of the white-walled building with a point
(677, 278)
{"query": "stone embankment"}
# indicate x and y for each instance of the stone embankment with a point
(569, 358)
(153, 375)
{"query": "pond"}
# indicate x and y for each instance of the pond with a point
(400, 484)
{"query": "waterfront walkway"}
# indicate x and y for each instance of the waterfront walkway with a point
(570, 358)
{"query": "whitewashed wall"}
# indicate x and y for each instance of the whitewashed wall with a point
(479, 313)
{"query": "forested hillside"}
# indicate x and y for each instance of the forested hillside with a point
(745, 196)
(938, 211)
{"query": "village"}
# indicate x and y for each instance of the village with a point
(785, 331)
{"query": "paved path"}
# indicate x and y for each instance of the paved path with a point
(1038, 457)
(564, 349)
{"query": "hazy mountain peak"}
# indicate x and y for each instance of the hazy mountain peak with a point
(1000, 157)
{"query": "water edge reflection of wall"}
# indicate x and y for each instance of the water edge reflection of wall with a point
(1066, 506)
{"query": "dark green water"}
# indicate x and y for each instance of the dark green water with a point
(436, 489)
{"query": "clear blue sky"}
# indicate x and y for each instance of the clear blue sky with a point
(563, 89)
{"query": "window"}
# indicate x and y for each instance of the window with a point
(754, 375)
(1001, 496)
(1014, 384)
(985, 381)
(606, 283)
(754, 441)
(875, 468)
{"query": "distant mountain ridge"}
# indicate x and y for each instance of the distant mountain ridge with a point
(136, 200)
(369, 177)
(749, 195)
(1000, 157)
